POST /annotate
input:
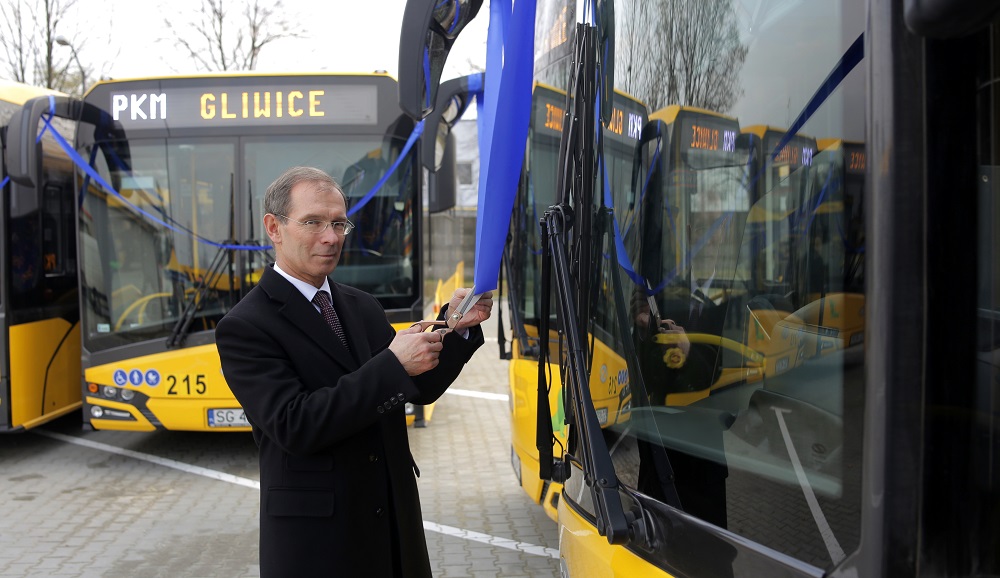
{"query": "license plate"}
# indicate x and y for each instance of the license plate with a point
(227, 418)
(602, 416)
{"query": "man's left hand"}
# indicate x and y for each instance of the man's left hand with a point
(477, 314)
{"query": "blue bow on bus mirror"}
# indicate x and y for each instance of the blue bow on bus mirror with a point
(429, 30)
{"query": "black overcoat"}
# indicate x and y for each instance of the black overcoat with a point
(336, 473)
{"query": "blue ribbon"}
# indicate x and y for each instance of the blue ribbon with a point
(509, 62)
(89, 170)
(91, 173)
(854, 55)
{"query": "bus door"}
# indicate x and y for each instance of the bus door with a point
(39, 299)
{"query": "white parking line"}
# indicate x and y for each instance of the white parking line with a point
(197, 470)
(254, 484)
(479, 394)
(832, 545)
(491, 540)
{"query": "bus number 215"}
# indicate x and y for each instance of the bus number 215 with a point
(186, 384)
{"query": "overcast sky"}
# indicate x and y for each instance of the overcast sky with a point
(128, 38)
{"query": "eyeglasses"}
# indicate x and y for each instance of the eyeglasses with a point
(316, 227)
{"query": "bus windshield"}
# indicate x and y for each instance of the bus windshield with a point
(183, 230)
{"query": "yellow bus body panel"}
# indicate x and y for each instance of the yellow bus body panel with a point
(189, 383)
(523, 379)
(609, 385)
(523, 375)
(31, 348)
(608, 388)
(842, 312)
(586, 553)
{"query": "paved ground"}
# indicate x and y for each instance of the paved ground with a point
(176, 504)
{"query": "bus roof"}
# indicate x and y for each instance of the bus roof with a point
(762, 129)
(240, 74)
(824, 144)
(668, 114)
(18, 93)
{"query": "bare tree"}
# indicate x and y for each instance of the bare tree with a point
(30, 29)
(52, 72)
(218, 42)
(17, 47)
(680, 52)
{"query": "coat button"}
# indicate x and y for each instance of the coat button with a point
(387, 405)
(379, 512)
(400, 397)
(381, 409)
(372, 458)
(395, 401)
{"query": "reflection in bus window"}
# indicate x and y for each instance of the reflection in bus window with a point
(741, 319)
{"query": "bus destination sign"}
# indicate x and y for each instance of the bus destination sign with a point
(216, 106)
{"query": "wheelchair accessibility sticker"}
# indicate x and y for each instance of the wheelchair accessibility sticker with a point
(137, 377)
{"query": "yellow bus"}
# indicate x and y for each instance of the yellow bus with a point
(867, 446)
(522, 263)
(805, 239)
(39, 310)
(170, 186)
(836, 242)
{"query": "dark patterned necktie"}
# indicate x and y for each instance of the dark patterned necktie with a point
(322, 300)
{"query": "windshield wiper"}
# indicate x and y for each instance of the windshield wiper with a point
(197, 299)
(594, 456)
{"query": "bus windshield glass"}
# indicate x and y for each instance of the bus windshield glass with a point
(180, 238)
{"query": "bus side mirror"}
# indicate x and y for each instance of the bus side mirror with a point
(454, 98)
(24, 147)
(428, 32)
(443, 181)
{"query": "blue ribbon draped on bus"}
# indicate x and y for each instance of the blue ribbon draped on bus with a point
(91, 173)
(510, 46)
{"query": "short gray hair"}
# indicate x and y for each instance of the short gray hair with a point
(278, 196)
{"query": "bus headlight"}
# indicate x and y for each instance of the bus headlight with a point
(96, 411)
(127, 394)
(110, 391)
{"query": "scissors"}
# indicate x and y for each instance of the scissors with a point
(449, 324)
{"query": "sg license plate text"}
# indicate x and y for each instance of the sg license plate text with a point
(227, 418)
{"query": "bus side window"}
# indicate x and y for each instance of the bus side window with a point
(25, 257)
(58, 250)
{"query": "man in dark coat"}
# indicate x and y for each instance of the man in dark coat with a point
(324, 391)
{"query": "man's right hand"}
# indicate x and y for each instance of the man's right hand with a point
(417, 351)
